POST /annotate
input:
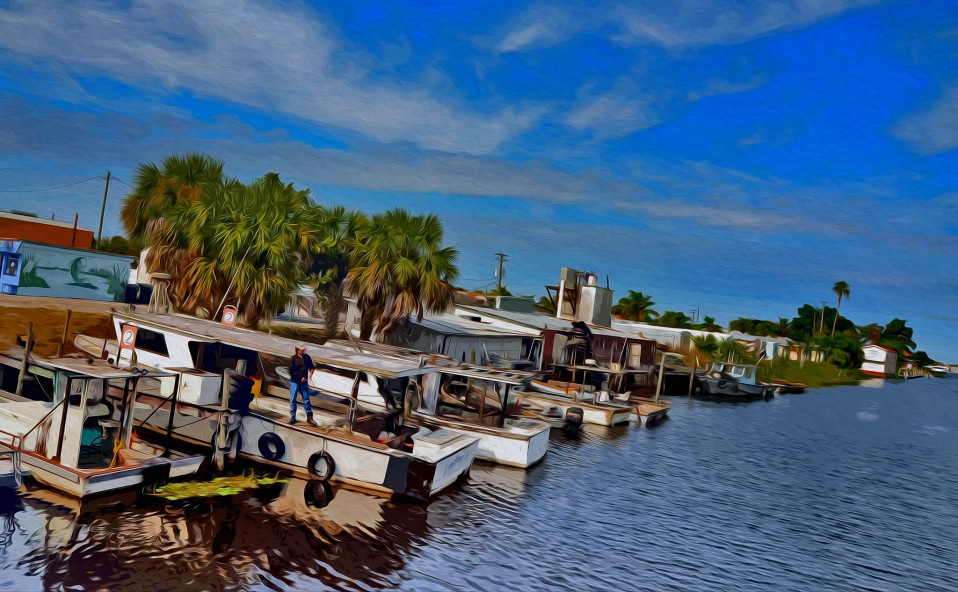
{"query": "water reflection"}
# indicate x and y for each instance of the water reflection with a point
(274, 540)
(847, 488)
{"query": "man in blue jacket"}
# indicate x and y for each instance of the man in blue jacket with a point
(300, 371)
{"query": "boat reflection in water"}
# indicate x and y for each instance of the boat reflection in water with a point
(274, 537)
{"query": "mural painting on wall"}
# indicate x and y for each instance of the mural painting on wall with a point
(72, 276)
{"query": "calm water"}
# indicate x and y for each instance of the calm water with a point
(840, 489)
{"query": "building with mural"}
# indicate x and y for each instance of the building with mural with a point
(34, 269)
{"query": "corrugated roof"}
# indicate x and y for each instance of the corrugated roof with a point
(450, 324)
(538, 321)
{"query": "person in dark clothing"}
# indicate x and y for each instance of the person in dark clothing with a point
(300, 371)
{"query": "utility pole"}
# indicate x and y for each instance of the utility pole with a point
(695, 314)
(99, 232)
(502, 259)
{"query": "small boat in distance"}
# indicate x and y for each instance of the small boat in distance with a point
(734, 381)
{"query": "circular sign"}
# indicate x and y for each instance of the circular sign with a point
(128, 336)
(228, 316)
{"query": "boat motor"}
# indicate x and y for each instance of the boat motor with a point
(573, 421)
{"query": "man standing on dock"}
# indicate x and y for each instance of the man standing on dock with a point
(300, 371)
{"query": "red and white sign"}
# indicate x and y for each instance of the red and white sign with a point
(128, 337)
(229, 316)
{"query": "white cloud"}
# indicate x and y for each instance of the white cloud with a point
(614, 114)
(541, 26)
(934, 129)
(269, 58)
(680, 23)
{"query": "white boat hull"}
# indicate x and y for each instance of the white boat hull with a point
(521, 447)
(86, 483)
(595, 414)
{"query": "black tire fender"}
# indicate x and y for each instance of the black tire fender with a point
(321, 466)
(317, 494)
(722, 384)
(271, 446)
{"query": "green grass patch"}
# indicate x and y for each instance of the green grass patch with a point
(811, 374)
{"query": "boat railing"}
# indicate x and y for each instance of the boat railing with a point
(15, 440)
(42, 421)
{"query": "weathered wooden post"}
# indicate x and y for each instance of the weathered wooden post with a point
(66, 332)
(25, 361)
(658, 386)
(692, 375)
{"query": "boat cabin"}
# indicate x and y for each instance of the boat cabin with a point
(741, 373)
(474, 394)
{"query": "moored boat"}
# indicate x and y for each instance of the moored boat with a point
(81, 444)
(371, 450)
(734, 381)
(596, 413)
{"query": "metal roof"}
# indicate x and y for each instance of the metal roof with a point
(538, 321)
(336, 357)
(450, 324)
(95, 368)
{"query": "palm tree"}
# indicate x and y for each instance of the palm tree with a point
(781, 328)
(733, 350)
(249, 245)
(841, 290)
(706, 346)
(635, 307)
(709, 324)
(398, 267)
(158, 189)
(897, 335)
(331, 263)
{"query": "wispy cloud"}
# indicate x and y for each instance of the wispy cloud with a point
(676, 24)
(933, 129)
(265, 57)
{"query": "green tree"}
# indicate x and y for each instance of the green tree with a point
(841, 291)
(399, 268)
(897, 335)
(159, 188)
(544, 304)
(709, 324)
(677, 320)
(780, 328)
(705, 348)
(733, 351)
(247, 245)
(330, 262)
(635, 307)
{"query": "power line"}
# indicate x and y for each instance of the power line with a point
(115, 178)
(49, 188)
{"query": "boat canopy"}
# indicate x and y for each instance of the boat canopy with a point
(335, 357)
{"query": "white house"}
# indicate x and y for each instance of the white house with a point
(879, 361)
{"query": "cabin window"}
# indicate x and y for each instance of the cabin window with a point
(151, 341)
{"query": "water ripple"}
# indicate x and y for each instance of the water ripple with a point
(845, 489)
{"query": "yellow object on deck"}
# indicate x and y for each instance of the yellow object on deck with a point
(257, 389)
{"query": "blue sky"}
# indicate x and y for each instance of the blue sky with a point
(739, 157)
